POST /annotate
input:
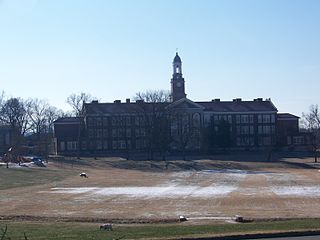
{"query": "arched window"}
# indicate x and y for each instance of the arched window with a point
(196, 120)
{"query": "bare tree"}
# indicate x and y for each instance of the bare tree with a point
(42, 116)
(153, 96)
(184, 132)
(155, 119)
(38, 115)
(311, 122)
(76, 102)
(2, 98)
(14, 113)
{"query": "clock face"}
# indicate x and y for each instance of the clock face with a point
(178, 84)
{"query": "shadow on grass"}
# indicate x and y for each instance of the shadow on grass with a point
(223, 161)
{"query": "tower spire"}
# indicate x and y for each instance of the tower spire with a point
(177, 81)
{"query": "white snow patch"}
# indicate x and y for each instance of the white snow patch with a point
(74, 190)
(152, 192)
(297, 191)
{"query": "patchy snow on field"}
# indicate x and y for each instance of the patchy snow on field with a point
(151, 192)
(297, 191)
(202, 184)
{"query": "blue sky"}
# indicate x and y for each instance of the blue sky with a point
(113, 49)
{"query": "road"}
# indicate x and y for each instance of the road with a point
(292, 238)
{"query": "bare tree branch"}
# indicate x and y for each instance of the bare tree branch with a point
(76, 102)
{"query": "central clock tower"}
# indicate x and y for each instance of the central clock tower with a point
(177, 81)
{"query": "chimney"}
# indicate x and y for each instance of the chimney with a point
(94, 101)
(237, 100)
(258, 100)
(139, 101)
(128, 100)
(117, 101)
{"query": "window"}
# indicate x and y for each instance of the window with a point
(62, 147)
(251, 130)
(266, 118)
(259, 118)
(128, 144)
(238, 119)
(90, 121)
(114, 133)
(99, 145)
(105, 144)
(251, 119)
(98, 122)
(99, 133)
(71, 146)
(105, 121)
(128, 132)
(122, 144)
(91, 133)
(196, 120)
(244, 119)
(114, 121)
(272, 118)
(143, 132)
(137, 132)
(105, 133)
(121, 132)
(215, 119)
(140, 143)
(83, 145)
(128, 120)
(123, 121)
(245, 129)
(266, 129)
(136, 120)
(267, 140)
(114, 144)
(207, 119)
(298, 140)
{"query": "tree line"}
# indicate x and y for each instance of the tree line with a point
(33, 118)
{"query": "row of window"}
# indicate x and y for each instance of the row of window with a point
(296, 140)
(103, 145)
(117, 132)
(249, 129)
(141, 132)
(69, 146)
(249, 141)
(244, 118)
(100, 122)
(141, 143)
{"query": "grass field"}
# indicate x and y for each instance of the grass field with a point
(126, 192)
(23, 177)
(35, 230)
